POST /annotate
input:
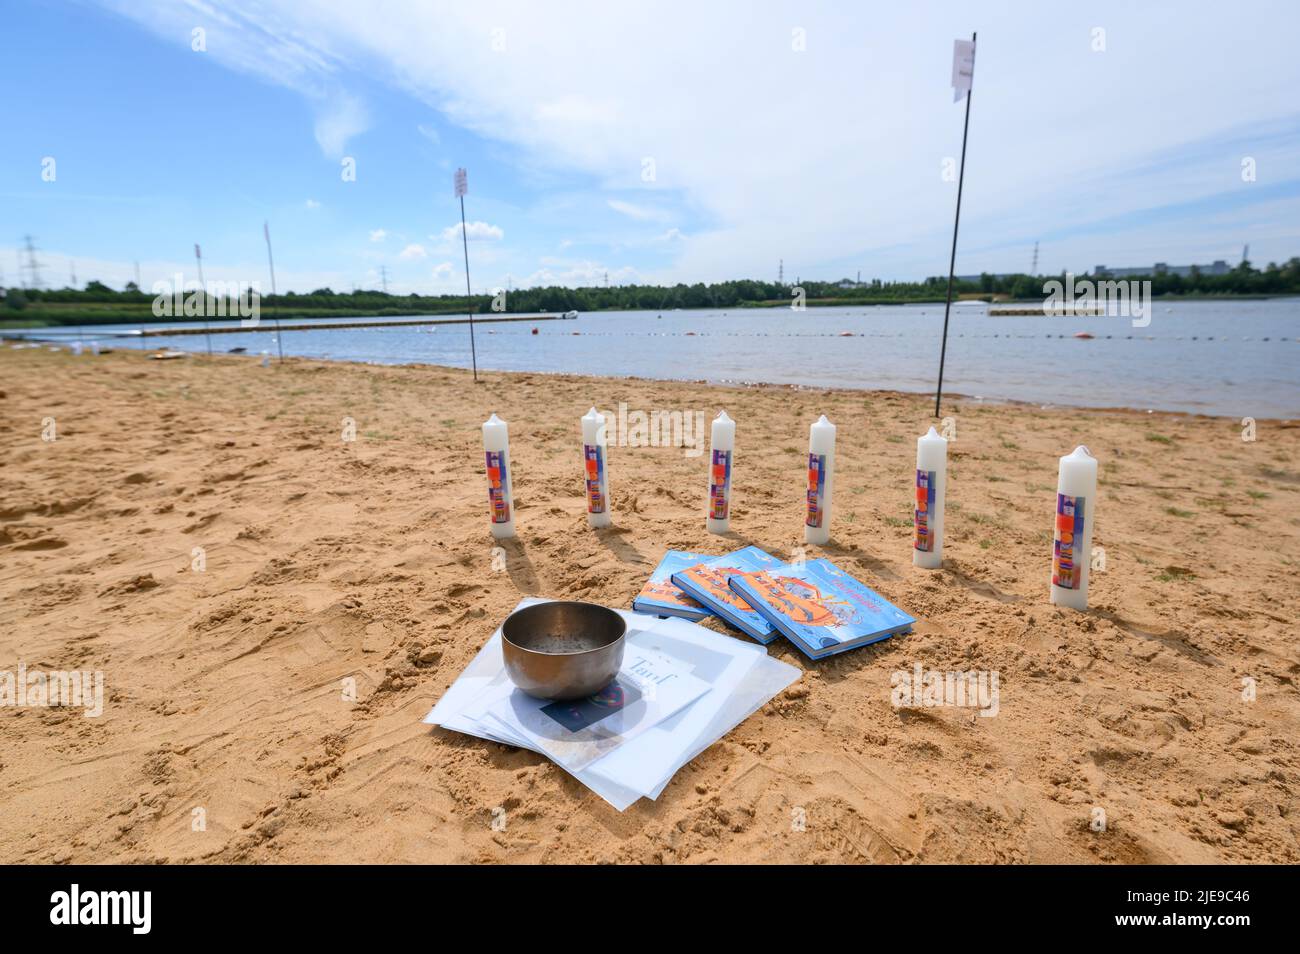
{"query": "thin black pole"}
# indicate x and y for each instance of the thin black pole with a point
(198, 258)
(279, 338)
(952, 259)
(464, 240)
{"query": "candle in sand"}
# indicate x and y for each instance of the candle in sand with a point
(722, 443)
(931, 484)
(1076, 504)
(501, 498)
(821, 481)
(595, 475)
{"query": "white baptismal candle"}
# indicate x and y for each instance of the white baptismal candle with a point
(722, 442)
(595, 474)
(501, 498)
(931, 484)
(1076, 506)
(821, 481)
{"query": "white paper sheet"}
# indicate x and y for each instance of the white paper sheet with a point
(741, 676)
(650, 687)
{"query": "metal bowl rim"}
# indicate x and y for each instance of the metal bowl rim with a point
(582, 652)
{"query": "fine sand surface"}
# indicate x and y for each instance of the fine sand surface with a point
(371, 559)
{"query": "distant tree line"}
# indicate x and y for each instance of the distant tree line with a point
(97, 303)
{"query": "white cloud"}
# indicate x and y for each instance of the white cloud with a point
(378, 235)
(443, 272)
(641, 213)
(577, 110)
(825, 158)
(340, 117)
(579, 274)
(272, 44)
(474, 231)
(413, 252)
(311, 204)
(220, 264)
(429, 133)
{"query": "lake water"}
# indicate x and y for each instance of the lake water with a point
(1232, 358)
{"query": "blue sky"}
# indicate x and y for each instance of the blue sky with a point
(653, 143)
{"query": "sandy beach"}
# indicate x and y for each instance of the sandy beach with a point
(225, 735)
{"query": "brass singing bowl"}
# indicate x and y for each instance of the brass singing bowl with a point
(563, 650)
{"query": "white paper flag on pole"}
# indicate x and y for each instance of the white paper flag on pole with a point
(963, 67)
(462, 182)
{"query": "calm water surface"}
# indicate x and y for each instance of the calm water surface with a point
(1235, 358)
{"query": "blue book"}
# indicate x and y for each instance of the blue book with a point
(661, 597)
(707, 583)
(820, 608)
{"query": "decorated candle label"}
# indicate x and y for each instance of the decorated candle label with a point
(1066, 571)
(497, 476)
(923, 537)
(720, 485)
(595, 462)
(816, 490)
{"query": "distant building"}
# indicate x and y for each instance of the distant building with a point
(1219, 267)
(975, 278)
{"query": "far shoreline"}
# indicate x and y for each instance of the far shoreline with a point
(98, 316)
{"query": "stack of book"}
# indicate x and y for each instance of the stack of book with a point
(817, 606)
